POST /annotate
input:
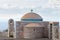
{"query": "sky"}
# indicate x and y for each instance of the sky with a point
(15, 9)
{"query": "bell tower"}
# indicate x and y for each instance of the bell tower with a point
(11, 28)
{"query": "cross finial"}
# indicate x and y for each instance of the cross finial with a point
(31, 10)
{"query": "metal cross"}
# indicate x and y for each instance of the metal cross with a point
(31, 10)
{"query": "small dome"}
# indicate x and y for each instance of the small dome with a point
(31, 15)
(34, 25)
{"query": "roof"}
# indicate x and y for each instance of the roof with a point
(31, 15)
(34, 25)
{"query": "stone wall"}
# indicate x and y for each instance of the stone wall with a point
(33, 32)
(11, 28)
(55, 31)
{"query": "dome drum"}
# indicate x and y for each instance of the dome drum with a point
(32, 19)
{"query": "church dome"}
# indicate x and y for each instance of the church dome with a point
(31, 15)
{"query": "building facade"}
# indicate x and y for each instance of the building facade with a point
(32, 26)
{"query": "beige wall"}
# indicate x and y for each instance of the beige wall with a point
(33, 32)
(20, 30)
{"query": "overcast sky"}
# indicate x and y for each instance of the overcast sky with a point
(15, 9)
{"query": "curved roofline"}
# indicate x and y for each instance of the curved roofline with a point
(31, 15)
(33, 25)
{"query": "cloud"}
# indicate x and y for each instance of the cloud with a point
(55, 3)
(6, 17)
(29, 4)
(46, 7)
(22, 3)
